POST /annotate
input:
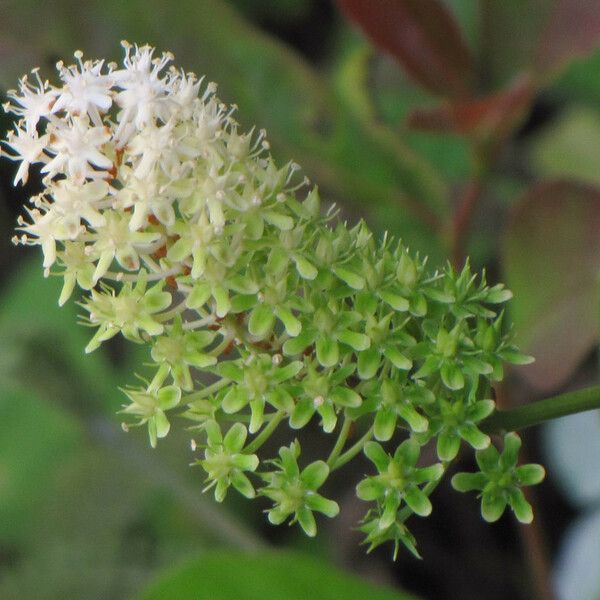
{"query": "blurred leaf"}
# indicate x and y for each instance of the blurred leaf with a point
(280, 11)
(352, 81)
(572, 31)
(551, 253)
(267, 576)
(273, 87)
(424, 38)
(509, 37)
(37, 438)
(541, 36)
(574, 466)
(32, 321)
(580, 82)
(576, 572)
(569, 147)
(488, 118)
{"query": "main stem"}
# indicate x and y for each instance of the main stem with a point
(542, 410)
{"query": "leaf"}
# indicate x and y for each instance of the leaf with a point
(510, 33)
(423, 37)
(545, 35)
(569, 146)
(572, 31)
(263, 576)
(36, 439)
(551, 253)
(489, 117)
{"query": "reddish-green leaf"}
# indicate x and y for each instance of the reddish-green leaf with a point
(551, 254)
(572, 31)
(490, 117)
(539, 36)
(422, 36)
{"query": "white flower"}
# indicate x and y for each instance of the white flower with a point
(147, 196)
(154, 147)
(72, 203)
(145, 95)
(34, 102)
(77, 150)
(46, 230)
(86, 90)
(29, 148)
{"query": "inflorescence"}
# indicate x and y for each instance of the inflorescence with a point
(259, 309)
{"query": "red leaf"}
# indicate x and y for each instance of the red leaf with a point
(572, 30)
(490, 117)
(551, 260)
(423, 36)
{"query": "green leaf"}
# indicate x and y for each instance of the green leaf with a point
(292, 325)
(520, 506)
(314, 476)
(242, 484)
(448, 445)
(398, 359)
(327, 351)
(235, 399)
(492, 507)
(235, 438)
(169, 397)
(305, 268)
(307, 521)
(368, 363)
(262, 576)
(473, 436)
(385, 424)
(418, 501)
(376, 454)
(329, 508)
(262, 319)
(37, 437)
(452, 376)
(468, 482)
(346, 397)
(551, 255)
(370, 489)
(357, 341)
(302, 414)
(396, 301)
(530, 474)
(299, 344)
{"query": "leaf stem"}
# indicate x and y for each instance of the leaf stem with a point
(352, 451)
(538, 412)
(340, 442)
(265, 434)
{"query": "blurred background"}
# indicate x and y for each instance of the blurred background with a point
(466, 128)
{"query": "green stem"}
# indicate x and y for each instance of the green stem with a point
(339, 444)
(208, 390)
(542, 410)
(265, 434)
(352, 451)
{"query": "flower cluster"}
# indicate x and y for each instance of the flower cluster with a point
(259, 310)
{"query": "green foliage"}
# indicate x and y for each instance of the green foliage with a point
(264, 576)
(500, 481)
